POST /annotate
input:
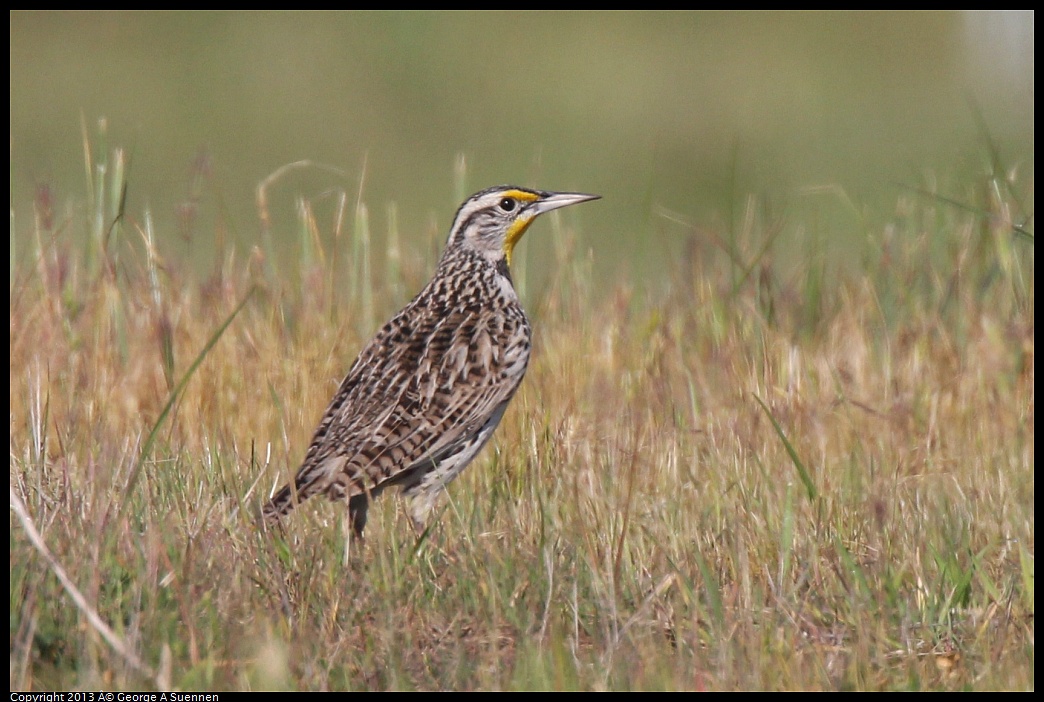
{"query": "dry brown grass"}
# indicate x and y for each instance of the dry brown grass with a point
(638, 522)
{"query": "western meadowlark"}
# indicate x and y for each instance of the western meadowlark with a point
(426, 393)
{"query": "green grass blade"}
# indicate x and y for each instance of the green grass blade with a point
(806, 478)
(712, 589)
(147, 447)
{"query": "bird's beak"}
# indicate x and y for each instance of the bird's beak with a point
(555, 200)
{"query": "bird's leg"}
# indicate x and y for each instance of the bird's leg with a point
(419, 505)
(357, 507)
(418, 526)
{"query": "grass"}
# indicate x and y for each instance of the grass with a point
(817, 477)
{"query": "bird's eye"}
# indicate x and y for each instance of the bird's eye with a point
(507, 204)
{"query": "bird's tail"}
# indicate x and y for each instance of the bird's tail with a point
(281, 504)
(310, 480)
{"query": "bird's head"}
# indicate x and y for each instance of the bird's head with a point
(493, 221)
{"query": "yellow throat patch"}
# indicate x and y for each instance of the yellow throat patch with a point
(520, 225)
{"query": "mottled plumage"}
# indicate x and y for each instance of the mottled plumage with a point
(427, 391)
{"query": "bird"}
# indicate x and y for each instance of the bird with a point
(426, 393)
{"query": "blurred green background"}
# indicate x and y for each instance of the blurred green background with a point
(677, 119)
